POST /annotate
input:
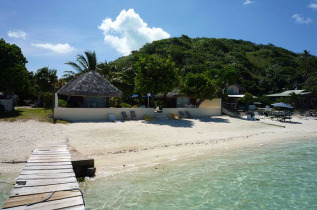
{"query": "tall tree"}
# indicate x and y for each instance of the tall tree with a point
(85, 63)
(13, 73)
(155, 75)
(45, 81)
(199, 86)
(225, 77)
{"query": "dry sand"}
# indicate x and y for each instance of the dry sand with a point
(130, 145)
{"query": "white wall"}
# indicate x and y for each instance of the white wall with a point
(97, 114)
(214, 103)
(195, 112)
(7, 103)
(101, 114)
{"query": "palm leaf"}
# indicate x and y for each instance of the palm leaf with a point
(75, 66)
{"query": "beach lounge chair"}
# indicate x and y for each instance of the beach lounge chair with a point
(188, 115)
(133, 116)
(174, 117)
(125, 116)
(181, 114)
(256, 115)
(112, 118)
(305, 115)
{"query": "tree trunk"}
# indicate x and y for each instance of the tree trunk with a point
(199, 102)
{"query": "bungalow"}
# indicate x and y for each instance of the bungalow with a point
(235, 92)
(89, 90)
(175, 99)
(304, 99)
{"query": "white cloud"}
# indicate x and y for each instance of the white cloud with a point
(129, 32)
(248, 2)
(299, 19)
(313, 6)
(57, 48)
(17, 34)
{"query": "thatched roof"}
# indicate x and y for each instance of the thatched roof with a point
(90, 84)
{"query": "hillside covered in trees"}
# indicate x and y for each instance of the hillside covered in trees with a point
(260, 69)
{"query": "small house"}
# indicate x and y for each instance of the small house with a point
(89, 90)
(175, 99)
(299, 98)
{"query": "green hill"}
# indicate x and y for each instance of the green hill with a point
(262, 68)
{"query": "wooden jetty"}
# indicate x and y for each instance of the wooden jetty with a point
(47, 181)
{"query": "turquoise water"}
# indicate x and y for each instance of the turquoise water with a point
(279, 176)
(7, 181)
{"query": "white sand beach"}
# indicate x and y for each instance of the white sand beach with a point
(130, 145)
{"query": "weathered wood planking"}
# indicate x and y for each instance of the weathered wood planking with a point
(55, 204)
(48, 170)
(41, 189)
(24, 200)
(25, 171)
(48, 164)
(54, 167)
(45, 176)
(49, 160)
(44, 182)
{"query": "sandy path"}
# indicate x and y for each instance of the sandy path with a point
(118, 147)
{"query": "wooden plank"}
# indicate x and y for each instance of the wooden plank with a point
(51, 152)
(49, 158)
(42, 189)
(43, 182)
(55, 204)
(51, 149)
(48, 167)
(24, 171)
(45, 176)
(48, 161)
(27, 199)
(50, 155)
(49, 164)
(79, 207)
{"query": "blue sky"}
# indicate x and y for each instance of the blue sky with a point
(51, 33)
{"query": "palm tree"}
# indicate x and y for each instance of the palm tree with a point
(84, 64)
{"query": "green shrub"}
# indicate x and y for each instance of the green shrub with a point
(125, 105)
(62, 103)
(48, 100)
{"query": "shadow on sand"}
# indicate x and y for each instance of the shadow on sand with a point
(290, 122)
(213, 119)
(173, 123)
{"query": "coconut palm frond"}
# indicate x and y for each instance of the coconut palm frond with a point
(75, 66)
(92, 60)
(83, 61)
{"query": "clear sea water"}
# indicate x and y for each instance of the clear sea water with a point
(279, 176)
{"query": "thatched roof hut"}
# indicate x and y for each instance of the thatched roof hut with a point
(90, 84)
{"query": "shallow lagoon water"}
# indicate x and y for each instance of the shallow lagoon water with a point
(279, 176)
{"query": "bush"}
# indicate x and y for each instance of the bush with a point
(62, 103)
(265, 100)
(125, 105)
(48, 100)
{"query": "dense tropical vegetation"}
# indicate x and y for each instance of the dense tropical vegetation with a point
(260, 69)
(198, 67)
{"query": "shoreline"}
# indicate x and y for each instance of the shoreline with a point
(132, 145)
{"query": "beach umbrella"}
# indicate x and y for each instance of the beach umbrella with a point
(148, 96)
(282, 104)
